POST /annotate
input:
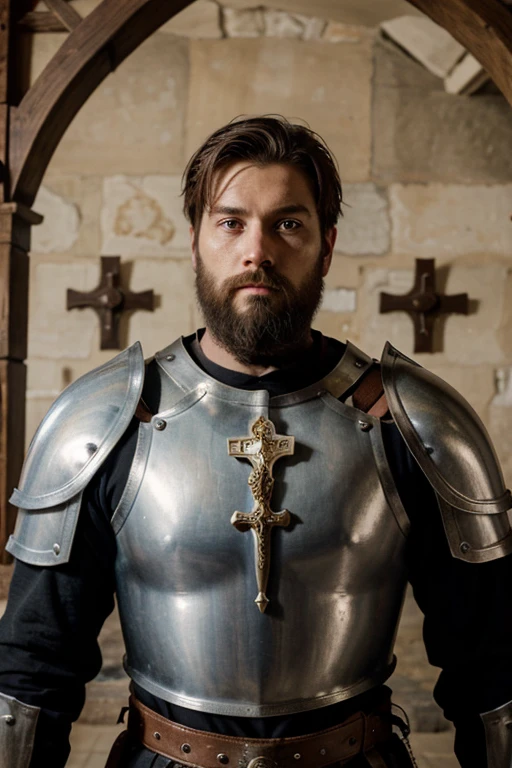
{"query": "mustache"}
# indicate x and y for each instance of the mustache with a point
(259, 278)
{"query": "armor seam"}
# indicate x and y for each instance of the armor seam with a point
(387, 481)
(135, 477)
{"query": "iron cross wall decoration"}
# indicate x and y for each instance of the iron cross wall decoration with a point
(262, 449)
(424, 304)
(109, 300)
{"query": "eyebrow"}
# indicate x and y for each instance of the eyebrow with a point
(228, 210)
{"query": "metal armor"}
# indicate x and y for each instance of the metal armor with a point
(17, 731)
(453, 449)
(498, 736)
(260, 565)
(209, 633)
(76, 435)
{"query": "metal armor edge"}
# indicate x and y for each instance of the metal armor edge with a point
(454, 450)
(498, 735)
(72, 442)
(17, 731)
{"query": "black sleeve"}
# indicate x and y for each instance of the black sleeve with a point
(48, 634)
(468, 618)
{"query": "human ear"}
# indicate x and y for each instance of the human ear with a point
(328, 248)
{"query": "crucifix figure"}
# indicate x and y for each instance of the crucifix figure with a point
(423, 304)
(262, 449)
(109, 301)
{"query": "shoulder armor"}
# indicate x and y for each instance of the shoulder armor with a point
(73, 440)
(454, 450)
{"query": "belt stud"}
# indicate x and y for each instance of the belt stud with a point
(223, 759)
(186, 748)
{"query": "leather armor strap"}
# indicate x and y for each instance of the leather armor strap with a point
(369, 395)
(358, 735)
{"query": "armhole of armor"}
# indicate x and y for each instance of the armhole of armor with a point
(454, 451)
(74, 439)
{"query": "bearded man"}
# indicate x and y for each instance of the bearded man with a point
(257, 496)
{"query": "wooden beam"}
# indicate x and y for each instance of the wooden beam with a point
(484, 27)
(41, 21)
(111, 31)
(15, 225)
(65, 13)
(13, 376)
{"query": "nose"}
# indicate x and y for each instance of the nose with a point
(257, 252)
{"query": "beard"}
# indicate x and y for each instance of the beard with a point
(271, 328)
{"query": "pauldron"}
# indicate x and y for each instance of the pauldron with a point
(73, 440)
(453, 448)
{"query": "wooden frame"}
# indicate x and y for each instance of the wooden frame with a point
(33, 122)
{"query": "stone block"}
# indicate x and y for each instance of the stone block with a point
(500, 428)
(447, 221)
(54, 332)
(424, 134)
(336, 32)
(339, 300)
(365, 227)
(199, 21)
(59, 230)
(247, 22)
(281, 24)
(426, 41)
(71, 206)
(134, 122)
(465, 340)
(142, 216)
(301, 80)
(348, 12)
(175, 315)
(44, 47)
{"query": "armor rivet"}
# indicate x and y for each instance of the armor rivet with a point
(10, 720)
(358, 363)
(429, 450)
(157, 736)
(320, 392)
(186, 748)
(170, 358)
(222, 758)
(323, 751)
(365, 425)
(297, 755)
(56, 549)
(160, 424)
(352, 741)
(464, 547)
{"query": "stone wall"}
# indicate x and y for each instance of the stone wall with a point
(426, 174)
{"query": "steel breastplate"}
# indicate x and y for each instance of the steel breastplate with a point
(186, 577)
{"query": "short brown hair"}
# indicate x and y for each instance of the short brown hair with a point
(264, 140)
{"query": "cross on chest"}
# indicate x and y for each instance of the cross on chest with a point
(424, 304)
(109, 301)
(262, 449)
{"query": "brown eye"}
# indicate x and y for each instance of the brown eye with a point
(230, 224)
(288, 225)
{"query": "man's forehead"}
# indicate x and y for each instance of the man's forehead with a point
(276, 186)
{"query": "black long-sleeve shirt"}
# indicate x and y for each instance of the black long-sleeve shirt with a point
(48, 635)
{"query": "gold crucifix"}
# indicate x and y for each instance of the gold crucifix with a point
(262, 449)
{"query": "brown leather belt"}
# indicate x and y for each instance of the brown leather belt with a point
(358, 735)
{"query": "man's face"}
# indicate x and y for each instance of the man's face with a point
(260, 261)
